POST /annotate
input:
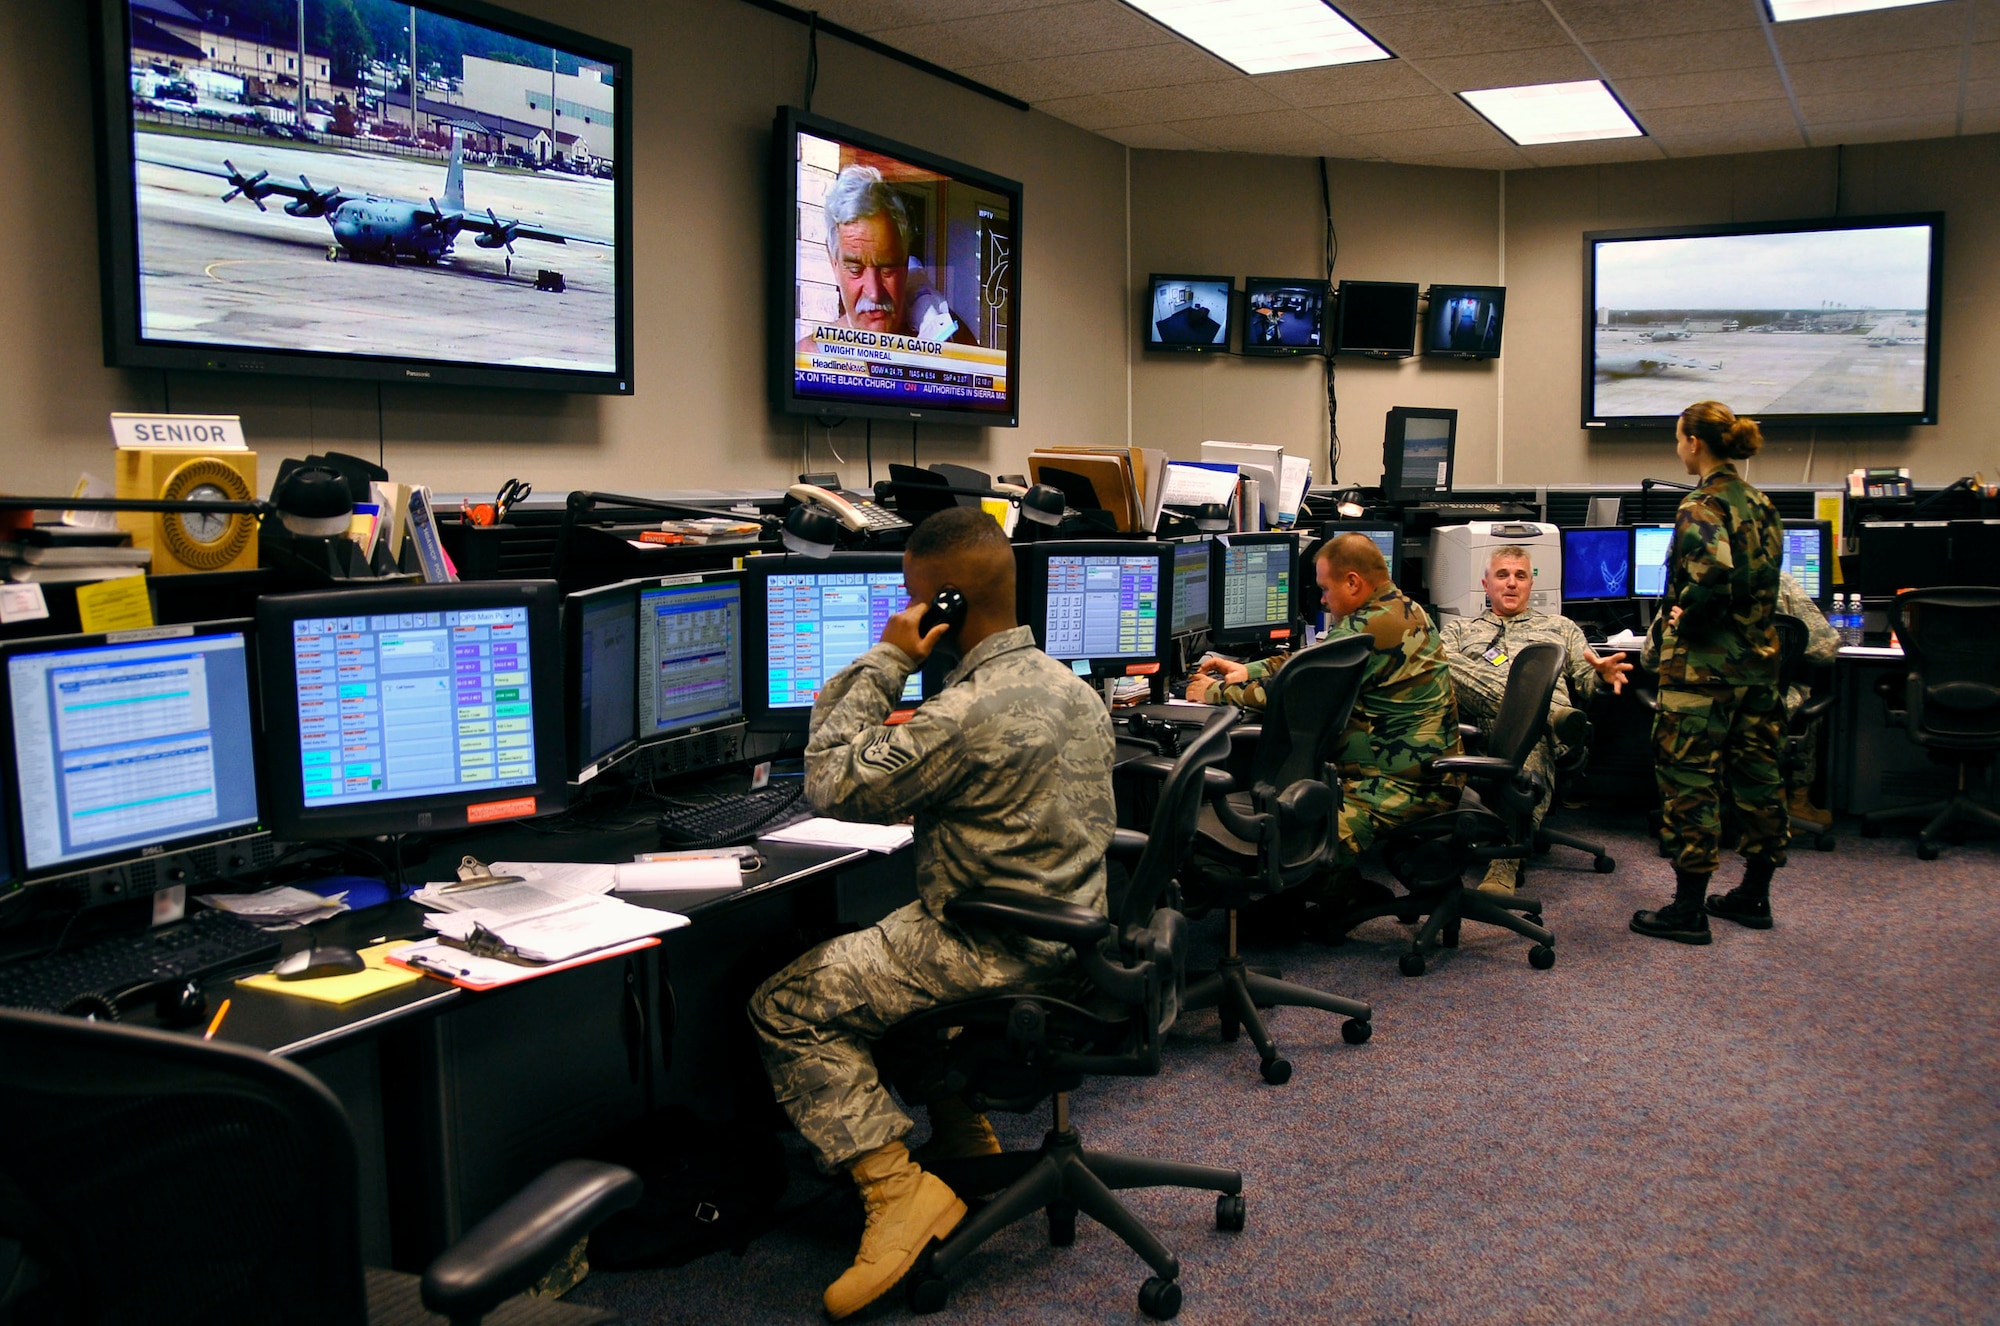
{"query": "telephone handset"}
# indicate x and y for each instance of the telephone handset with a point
(947, 609)
(862, 517)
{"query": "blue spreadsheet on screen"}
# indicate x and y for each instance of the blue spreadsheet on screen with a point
(122, 745)
(690, 656)
(819, 622)
(413, 703)
(1805, 558)
(1103, 606)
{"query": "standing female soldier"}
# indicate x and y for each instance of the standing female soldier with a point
(1716, 652)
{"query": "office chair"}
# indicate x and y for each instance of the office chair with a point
(1490, 823)
(1951, 701)
(1280, 834)
(154, 1177)
(1011, 1052)
(1795, 753)
(1547, 838)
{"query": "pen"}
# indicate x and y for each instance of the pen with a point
(216, 1023)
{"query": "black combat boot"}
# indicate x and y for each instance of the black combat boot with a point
(1683, 919)
(1749, 903)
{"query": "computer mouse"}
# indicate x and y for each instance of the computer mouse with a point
(322, 960)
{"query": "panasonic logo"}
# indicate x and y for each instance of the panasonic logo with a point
(413, 373)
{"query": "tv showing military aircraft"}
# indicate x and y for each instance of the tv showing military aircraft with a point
(1652, 364)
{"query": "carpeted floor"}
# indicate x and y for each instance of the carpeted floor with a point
(1801, 1124)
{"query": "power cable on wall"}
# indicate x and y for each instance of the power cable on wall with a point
(1332, 252)
(812, 58)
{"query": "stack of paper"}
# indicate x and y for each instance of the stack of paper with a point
(566, 930)
(278, 907)
(824, 832)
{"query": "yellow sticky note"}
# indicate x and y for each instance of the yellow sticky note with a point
(115, 605)
(374, 979)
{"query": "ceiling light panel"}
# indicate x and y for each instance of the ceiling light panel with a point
(1791, 11)
(1555, 112)
(1266, 36)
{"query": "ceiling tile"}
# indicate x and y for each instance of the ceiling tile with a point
(1454, 138)
(1900, 130)
(1716, 144)
(945, 44)
(1195, 101)
(1594, 153)
(1166, 65)
(1339, 85)
(1365, 9)
(1432, 112)
(1907, 29)
(1722, 118)
(1096, 113)
(1613, 20)
(1505, 158)
(1468, 29)
(1887, 103)
(1698, 88)
(1737, 48)
(1030, 80)
(1545, 64)
(1868, 72)
(1158, 137)
(1069, 29)
(1279, 133)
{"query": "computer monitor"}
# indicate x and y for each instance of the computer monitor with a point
(1284, 315)
(809, 618)
(1597, 564)
(1377, 318)
(122, 748)
(1809, 558)
(1896, 555)
(412, 708)
(1190, 614)
(1651, 545)
(1463, 321)
(1189, 313)
(1253, 579)
(600, 672)
(690, 657)
(1097, 605)
(1385, 534)
(1975, 552)
(1418, 448)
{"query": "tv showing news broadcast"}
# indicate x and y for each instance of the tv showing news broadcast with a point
(898, 280)
(425, 193)
(1805, 322)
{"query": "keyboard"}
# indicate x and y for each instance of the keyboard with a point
(736, 818)
(119, 967)
(1477, 510)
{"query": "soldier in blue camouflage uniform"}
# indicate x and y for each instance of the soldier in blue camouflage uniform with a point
(1481, 652)
(1405, 716)
(1822, 647)
(1007, 772)
(1715, 648)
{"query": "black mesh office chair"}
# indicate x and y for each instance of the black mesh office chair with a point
(1280, 834)
(1492, 822)
(1795, 753)
(1950, 701)
(148, 1177)
(1011, 1052)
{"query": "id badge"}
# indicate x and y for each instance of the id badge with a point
(1496, 655)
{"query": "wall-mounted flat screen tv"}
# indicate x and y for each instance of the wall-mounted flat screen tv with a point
(896, 279)
(273, 198)
(1189, 313)
(1376, 318)
(1284, 316)
(1463, 321)
(1801, 322)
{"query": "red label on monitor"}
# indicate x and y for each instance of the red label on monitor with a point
(1284, 634)
(499, 810)
(1141, 669)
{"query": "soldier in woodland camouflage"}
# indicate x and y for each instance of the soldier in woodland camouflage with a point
(1405, 716)
(1721, 717)
(1481, 652)
(1007, 773)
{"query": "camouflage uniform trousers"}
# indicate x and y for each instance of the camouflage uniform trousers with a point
(818, 1019)
(1480, 687)
(1712, 741)
(1372, 806)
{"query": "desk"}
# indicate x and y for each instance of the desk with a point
(1876, 766)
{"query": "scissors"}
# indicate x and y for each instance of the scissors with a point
(492, 513)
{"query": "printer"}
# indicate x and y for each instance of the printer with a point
(1457, 563)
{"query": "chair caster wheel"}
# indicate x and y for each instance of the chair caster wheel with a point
(1356, 1031)
(1605, 865)
(1927, 852)
(1823, 842)
(926, 1293)
(1277, 1072)
(1062, 1224)
(1541, 957)
(1870, 829)
(1229, 1213)
(1411, 964)
(1230, 1029)
(1160, 1299)
(1449, 939)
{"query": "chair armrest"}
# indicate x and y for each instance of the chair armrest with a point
(1127, 845)
(1811, 710)
(1468, 732)
(1473, 764)
(1035, 915)
(1246, 734)
(516, 1245)
(1214, 782)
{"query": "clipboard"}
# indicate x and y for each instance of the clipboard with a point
(468, 971)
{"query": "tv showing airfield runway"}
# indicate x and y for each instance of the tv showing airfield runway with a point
(1807, 322)
(895, 280)
(434, 193)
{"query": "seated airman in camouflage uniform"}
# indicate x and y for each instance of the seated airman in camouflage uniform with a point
(1007, 772)
(1404, 718)
(1481, 653)
(1822, 647)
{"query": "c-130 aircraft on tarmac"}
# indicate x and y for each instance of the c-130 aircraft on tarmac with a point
(368, 225)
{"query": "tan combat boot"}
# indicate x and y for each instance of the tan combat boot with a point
(907, 1208)
(957, 1133)
(1500, 877)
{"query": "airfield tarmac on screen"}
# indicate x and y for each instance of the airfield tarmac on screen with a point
(225, 273)
(1874, 369)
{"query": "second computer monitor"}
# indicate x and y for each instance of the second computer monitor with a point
(809, 618)
(1384, 534)
(1253, 581)
(1417, 453)
(1650, 546)
(690, 655)
(600, 669)
(1190, 614)
(1597, 564)
(1809, 558)
(1100, 606)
